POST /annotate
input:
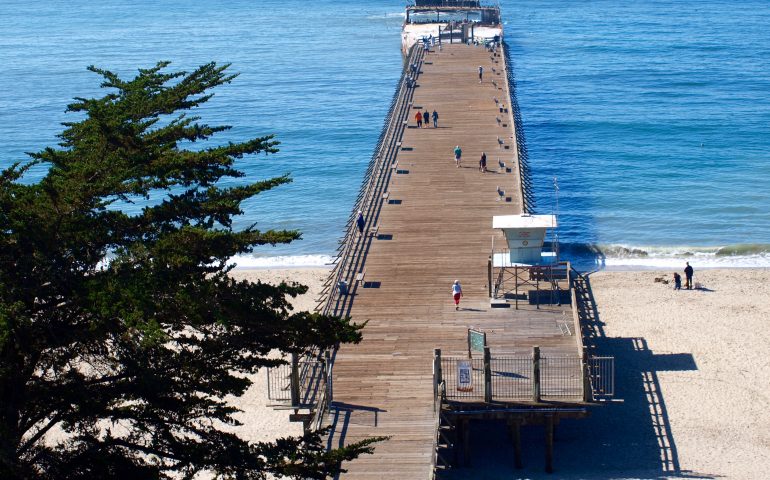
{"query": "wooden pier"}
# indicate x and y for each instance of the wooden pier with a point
(428, 223)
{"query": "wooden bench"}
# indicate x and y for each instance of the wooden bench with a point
(373, 231)
(360, 276)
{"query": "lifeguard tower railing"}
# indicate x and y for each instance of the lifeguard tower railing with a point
(543, 284)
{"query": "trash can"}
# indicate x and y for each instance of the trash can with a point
(342, 286)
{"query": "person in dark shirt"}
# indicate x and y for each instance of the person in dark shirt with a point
(483, 163)
(677, 281)
(688, 276)
(360, 222)
(426, 118)
(435, 119)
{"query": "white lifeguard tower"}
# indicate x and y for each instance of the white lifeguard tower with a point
(525, 235)
(523, 269)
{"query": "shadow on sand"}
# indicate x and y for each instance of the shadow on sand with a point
(628, 440)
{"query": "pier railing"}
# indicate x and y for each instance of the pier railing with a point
(302, 384)
(349, 270)
(306, 383)
(534, 378)
(527, 190)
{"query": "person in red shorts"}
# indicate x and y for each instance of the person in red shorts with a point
(418, 118)
(457, 293)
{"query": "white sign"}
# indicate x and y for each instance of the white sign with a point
(464, 376)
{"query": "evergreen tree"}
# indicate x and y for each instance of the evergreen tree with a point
(121, 333)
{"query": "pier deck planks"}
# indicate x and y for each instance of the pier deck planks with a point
(441, 231)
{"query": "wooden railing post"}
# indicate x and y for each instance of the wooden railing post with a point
(294, 380)
(516, 281)
(587, 393)
(489, 275)
(329, 386)
(536, 374)
(437, 374)
(487, 375)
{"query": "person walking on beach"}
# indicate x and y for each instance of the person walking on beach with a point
(457, 293)
(483, 163)
(418, 119)
(677, 281)
(458, 156)
(481, 73)
(360, 222)
(435, 118)
(688, 276)
(426, 118)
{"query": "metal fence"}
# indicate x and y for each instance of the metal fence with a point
(312, 381)
(451, 366)
(561, 377)
(601, 372)
(512, 378)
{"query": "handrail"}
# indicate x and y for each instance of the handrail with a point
(378, 174)
(522, 156)
(353, 247)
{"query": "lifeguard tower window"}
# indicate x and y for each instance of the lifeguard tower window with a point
(445, 11)
(447, 3)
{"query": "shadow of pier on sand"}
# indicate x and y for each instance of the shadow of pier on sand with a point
(628, 439)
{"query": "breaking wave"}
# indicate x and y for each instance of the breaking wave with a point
(750, 255)
(281, 261)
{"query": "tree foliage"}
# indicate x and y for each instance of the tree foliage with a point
(121, 333)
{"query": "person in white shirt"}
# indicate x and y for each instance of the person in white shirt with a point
(457, 292)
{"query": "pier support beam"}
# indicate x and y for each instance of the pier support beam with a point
(549, 443)
(515, 427)
(466, 443)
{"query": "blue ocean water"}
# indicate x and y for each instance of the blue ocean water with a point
(653, 116)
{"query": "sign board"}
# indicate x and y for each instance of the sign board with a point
(464, 376)
(477, 340)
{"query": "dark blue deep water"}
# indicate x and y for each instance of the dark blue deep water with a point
(653, 116)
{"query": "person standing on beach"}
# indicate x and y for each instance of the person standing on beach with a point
(457, 293)
(360, 222)
(677, 281)
(435, 118)
(481, 73)
(483, 163)
(458, 156)
(418, 119)
(426, 118)
(688, 276)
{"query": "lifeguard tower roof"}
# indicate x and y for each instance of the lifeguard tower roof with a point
(524, 221)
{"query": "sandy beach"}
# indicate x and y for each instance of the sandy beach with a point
(260, 421)
(691, 371)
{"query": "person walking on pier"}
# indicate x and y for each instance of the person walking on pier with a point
(435, 118)
(481, 73)
(458, 156)
(426, 118)
(360, 222)
(418, 119)
(688, 276)
(483, 163)
(457, 293)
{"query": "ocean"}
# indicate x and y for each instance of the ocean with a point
(653, 118)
